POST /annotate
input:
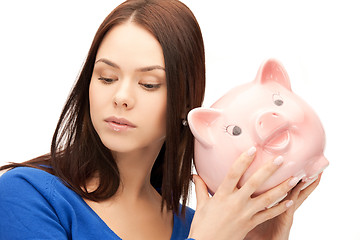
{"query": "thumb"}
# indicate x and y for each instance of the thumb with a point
(201, 190)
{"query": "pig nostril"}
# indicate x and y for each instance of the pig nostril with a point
(275, 115)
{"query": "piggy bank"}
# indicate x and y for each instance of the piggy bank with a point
(264, 113)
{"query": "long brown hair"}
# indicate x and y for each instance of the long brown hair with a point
(77, 152)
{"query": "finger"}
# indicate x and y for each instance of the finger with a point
(236, 171)
(270, 213)
(275, 195)
(201, 190)
(261, 175)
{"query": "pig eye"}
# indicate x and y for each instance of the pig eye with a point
(277, 99)
(233, 130)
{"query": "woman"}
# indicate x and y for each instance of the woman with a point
(120, 158)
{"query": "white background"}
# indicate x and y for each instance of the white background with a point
(44, 43)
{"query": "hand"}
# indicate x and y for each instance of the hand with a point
(231, 213)
(278, 228)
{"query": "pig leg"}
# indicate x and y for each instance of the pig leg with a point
(318, 168)
(310, 181)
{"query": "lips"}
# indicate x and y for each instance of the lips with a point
(278, 141)
(119, 124)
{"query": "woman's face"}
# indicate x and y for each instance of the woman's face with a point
(128, 90)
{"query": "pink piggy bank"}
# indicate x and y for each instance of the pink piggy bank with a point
(264, 113)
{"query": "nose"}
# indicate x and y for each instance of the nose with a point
(269, 123)
(124, 96)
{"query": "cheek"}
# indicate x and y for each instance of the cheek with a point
(91, 93)
(156, 110)
(96, 100)
(92, 99)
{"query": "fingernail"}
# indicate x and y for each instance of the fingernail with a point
(279, 160)
(251, 151)
(289, 203)
(293, 182)
(277, 201)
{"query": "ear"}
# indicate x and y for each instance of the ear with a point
(273, 71)
(201, 121)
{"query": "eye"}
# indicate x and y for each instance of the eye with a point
(106, 80)
(150, 86)
(277, 99)
(233, 130)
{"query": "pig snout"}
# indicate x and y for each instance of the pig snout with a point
(272, 130)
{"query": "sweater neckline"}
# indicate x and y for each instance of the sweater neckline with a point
(105, 226)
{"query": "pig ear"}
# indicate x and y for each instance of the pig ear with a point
(201, 121)
(273, 71)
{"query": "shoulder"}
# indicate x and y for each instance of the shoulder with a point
(189, 213)
(38, 205)
(31, 186)
(182, 224)
(24, 178)
(25, 201)
(21, 172)
(34, 185)
(22, 187)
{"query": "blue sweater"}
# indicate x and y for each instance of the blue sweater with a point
(37, 205)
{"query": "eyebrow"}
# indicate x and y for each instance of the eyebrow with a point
(143, 69)
(108, 62)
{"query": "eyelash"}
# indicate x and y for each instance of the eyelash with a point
(150, 86)
(147, 86)
(106, 80)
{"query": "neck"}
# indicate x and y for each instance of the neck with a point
(135, 171)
